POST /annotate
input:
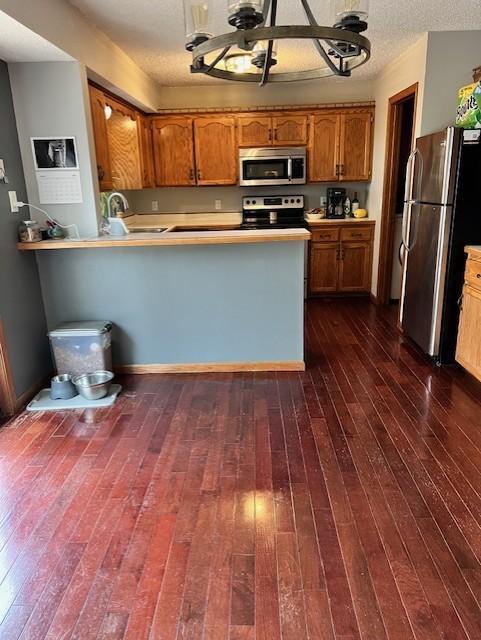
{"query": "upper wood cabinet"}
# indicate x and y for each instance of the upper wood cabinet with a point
(355, 147)
(340, 146)
(289, 130)
(124, 146)
(99, 122)
(324, 139)
(173, 151)
(215, 150)
(146, 151)
(255, 131)
(270, 131)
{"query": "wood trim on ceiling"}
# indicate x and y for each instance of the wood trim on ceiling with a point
(212, 367)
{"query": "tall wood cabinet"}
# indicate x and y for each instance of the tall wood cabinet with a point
(124, 146)
(340, 258)
(102, 153)
(468, 349)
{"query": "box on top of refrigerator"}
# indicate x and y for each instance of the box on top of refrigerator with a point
(468, 113)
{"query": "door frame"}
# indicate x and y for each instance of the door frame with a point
(388, 198)
(8, 397)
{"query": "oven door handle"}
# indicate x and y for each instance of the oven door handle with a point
(289, 168)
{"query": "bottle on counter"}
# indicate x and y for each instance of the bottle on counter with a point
(347, 207)
(355, 203)
(29, 231)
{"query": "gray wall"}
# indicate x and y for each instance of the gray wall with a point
(451, 57)
(202, 199)
(51, 99)
(21, 306)
(184, 304)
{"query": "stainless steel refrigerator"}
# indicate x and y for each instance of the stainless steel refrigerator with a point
(442, 213)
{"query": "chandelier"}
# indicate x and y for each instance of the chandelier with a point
(249, 53)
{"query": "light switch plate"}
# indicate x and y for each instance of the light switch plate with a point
(12, 196)
(155, 205)
(218, 205)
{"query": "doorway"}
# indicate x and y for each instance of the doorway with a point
(399, 144)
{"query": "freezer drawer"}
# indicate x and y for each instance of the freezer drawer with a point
(424, 275)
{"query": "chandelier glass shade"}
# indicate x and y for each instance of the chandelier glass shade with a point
(249, 53)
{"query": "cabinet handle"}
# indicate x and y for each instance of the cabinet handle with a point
(341, 169)
(199, 176)
(478, 275)
(100, 172)
(337, 170)
(275, 134)
(270, 135)
(356, 235)
(191, 175)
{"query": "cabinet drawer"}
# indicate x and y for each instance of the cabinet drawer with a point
(473, 273)
(356, 233)
(325, 235)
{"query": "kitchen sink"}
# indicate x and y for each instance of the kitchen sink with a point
(196, 229)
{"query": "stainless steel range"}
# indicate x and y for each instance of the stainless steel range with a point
(273, 212)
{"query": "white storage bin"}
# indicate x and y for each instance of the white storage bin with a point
(82, 347)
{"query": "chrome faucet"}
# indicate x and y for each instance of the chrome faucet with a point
(109, 203)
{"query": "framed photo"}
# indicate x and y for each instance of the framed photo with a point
(54, 153)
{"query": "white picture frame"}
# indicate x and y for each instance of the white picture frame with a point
(54, 153)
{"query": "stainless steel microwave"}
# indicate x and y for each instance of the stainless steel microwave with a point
(271, 166)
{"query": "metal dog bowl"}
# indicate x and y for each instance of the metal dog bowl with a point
(93, 386)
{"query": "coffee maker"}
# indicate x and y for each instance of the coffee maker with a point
(335, 202)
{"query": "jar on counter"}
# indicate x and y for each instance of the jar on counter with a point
(29, 231)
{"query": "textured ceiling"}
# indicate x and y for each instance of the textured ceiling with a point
(19, 44)
(152, 31)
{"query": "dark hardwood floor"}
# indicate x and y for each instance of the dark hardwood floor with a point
(340, 503)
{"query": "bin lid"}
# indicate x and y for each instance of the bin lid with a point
(89, 328)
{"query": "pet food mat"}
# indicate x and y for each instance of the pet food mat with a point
(43, 401)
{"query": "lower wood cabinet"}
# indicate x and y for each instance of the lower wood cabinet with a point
(340, 258)
(468, 349)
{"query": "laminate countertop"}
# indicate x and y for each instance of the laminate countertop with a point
(474, 252)
(326, 222)
(169, 238)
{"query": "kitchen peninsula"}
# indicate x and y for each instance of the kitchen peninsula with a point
(230, 300)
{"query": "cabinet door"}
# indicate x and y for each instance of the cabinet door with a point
(173, 151)
(355, 147)
(255, 131)
(215, 150)
(289, 130)
(323, 267)
(124, 146)
(468, 350)
(324, 136)
(146, 151)
(99, 123)
(355, 267)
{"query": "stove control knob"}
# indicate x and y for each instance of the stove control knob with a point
(292, 200)
(248, 201)
(254, 202)
(298, 201)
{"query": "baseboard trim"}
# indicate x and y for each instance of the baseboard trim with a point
(22, 401)
(374, 299)
(212, 367)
